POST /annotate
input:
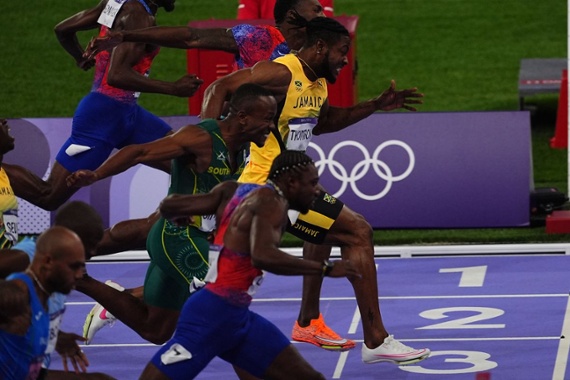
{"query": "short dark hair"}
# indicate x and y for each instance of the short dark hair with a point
(288, 161)
(242, 99)
(326, 29)
(281, 8)
(80, 218)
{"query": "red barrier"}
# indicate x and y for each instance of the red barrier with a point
(210, 65)
(558, 222)
(560, 139)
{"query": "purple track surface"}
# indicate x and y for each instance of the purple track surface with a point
(504, 315)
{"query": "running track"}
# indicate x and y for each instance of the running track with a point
(499, 314)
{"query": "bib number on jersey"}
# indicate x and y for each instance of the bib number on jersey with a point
(11, 225)
(107, 17)
(213, 255)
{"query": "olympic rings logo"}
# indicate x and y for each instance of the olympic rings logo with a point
(361, 169)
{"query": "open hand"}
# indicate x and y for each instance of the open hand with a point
(392, 99)
(68, 348)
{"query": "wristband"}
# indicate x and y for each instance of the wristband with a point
(327, 267)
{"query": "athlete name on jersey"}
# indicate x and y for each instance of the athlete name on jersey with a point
(308, 102)
(107, 17)
(300, 133)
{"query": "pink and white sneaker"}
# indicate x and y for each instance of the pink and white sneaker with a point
(99, 317)
(395, 352)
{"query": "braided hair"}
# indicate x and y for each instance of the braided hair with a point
(289, 161)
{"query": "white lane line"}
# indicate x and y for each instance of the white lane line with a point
(340, 365)
(387, 252)
(76, 303)
(355, 321)
(563, 347)
(119, 345)
(343, 356)
(476, 339)
(421, 297)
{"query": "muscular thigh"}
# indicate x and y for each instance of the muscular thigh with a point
(144, 127)
(99, 123)
(261, 342)
(161, 291)
(180, 254)
(207, 326)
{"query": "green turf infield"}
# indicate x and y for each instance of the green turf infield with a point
(463, 54)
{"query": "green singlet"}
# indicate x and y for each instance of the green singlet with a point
(178, 254)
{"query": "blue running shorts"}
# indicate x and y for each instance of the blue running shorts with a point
(209, 326)
(102, 124)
